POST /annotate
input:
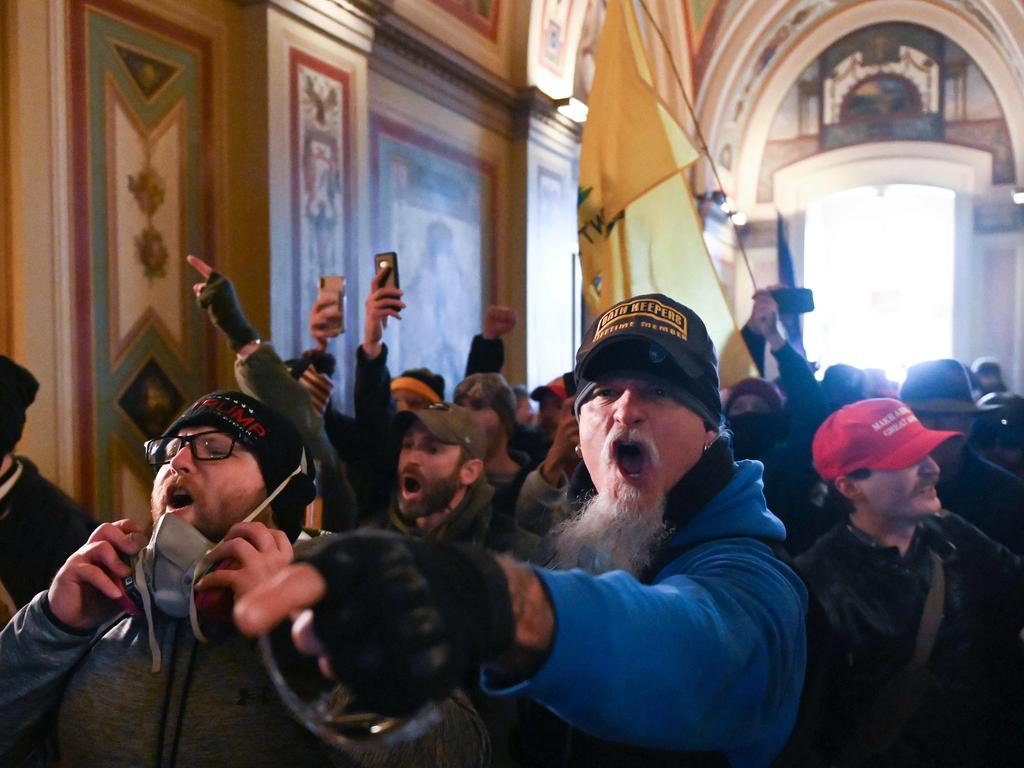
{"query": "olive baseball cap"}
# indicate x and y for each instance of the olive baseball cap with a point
(451, 424)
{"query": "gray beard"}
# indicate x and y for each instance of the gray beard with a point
(611, 535)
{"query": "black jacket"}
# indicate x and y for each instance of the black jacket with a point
(39, 529)
(989, 497)
(873, 599)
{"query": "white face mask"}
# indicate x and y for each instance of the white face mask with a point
(167, 568)
(169, 562)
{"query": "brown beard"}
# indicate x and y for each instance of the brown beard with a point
(435, 496)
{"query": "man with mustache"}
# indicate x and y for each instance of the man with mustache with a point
(680, 638)
(923, 609)
(89, 679)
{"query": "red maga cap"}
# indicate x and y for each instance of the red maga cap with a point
(880, 434)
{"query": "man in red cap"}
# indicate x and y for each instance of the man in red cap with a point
(922, 609)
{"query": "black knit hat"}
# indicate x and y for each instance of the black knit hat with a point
(655, 336)
(18, 390)
(272, 439)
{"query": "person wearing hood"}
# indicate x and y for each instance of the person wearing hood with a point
(754, 414)
(668, 631)
(39, 524)
(130, 657)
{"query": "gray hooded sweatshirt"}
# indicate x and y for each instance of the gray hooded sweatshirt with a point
(91, 700)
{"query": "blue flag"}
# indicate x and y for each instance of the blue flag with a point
(792, 323)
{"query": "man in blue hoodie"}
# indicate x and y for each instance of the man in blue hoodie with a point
(669, 634)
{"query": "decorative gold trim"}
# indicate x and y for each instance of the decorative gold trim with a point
(121, 343)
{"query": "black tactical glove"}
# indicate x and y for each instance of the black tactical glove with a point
(403, 621)
(219, 299)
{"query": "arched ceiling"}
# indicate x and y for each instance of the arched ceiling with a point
(747, 53)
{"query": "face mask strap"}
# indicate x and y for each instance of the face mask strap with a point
(147, 608)
(299, 470)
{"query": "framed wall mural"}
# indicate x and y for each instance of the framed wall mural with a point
(481, 15)
(142, 198)
(320, 105)
(555, 15)
(435, 205)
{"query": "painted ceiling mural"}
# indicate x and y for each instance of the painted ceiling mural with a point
(887, 82)
(789, 27)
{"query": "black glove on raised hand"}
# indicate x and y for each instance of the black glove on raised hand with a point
(219, 299)
(403, 621)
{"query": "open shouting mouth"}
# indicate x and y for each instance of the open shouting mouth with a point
(630, 457)
(411, 485)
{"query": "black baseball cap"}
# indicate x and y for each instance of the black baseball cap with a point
(654, 336)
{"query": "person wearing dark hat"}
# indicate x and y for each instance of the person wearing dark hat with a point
(39, 524)
(549, 398)
(987, 496)
(131, 626)
(989, 375)
(998, 435)
(754, 413)
(443, 494)
(670, 627)
(922, 609)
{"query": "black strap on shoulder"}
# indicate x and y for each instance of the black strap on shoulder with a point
(899, 699)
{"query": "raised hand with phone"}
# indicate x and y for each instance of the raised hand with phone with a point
(327, 317)
(383, 301)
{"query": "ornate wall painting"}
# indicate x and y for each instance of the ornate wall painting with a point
(480, 15)
(555, 15)
(142, 198)
(435, 205)
(320, 107)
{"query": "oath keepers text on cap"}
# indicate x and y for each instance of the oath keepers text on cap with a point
(624, 316)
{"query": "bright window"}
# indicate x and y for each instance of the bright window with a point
(880, 262)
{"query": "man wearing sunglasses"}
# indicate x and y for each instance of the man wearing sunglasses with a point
(130, 657)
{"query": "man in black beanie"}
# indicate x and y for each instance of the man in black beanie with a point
(39, 524)
(130, 657)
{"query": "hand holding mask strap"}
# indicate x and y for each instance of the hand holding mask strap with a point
(201, 566)
(301, 469)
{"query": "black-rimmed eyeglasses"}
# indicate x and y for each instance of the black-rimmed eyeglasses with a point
(205, 446)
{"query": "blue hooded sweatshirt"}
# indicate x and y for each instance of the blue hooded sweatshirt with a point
(709, 657)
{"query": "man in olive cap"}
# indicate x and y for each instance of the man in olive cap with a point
(984, 494)
(443, 494)
(39, 525)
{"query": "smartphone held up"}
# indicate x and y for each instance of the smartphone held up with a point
(332, 291)
(387, 263)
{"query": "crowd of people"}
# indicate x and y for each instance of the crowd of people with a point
(642, 570)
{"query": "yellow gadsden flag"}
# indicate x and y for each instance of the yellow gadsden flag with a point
(639, 230)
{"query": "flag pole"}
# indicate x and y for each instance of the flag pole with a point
(700, 134)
